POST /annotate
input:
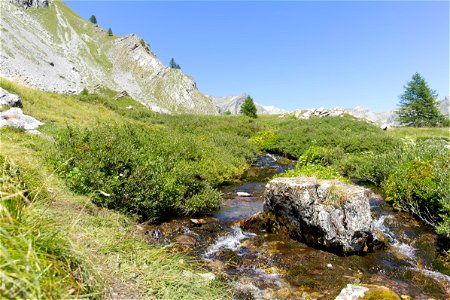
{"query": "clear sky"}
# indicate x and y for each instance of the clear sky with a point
(294, 54)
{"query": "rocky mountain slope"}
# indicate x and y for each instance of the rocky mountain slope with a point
(233, 105)
(46, 45)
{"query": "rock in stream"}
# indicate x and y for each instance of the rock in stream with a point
(324, 213)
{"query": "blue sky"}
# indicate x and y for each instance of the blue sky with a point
(294, 54)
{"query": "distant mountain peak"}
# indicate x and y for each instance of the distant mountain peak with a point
(233, 105)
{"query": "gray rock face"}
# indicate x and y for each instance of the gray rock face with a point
(444, 106)
(327, 213)
(14, 117)
(9, 99)
(32, 3)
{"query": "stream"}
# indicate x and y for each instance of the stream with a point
(262, 265)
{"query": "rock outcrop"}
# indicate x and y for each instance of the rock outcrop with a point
(320, 112)
(11, 100)
(61, 52)
(327, 213)
(32, 3)
(233, 104)
(14, 117)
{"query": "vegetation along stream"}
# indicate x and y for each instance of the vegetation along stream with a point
(265, 265)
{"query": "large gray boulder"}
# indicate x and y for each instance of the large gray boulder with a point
(9, 99)
(14, 117)
(326, 213)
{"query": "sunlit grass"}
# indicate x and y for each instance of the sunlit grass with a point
(414, 133)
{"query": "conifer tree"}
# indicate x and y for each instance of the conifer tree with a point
(418, 106)
(110, 33)
(93, 19)
(173, 64)
(248, 108)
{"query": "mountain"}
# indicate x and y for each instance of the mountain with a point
(46, 45)
(389, 117)
(381, 118)
(444, 106)
(233, 105)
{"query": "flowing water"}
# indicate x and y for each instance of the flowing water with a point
(261, 265)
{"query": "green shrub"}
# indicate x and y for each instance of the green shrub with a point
(423, 189)
(320, 156)
(134, 170)
(317, 171)
(265, 140)
(378, 167)
(349, 134)
(149, 172)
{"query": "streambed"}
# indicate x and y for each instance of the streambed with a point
(262, 265)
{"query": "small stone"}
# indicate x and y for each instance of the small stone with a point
(329, 266)
(207, 276)
(243, 194)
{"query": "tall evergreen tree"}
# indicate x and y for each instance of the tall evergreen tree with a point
(93, 19)
(173, 64)
(248, 108)
(110, 33)
(418, 106)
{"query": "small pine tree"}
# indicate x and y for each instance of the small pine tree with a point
(173, 64)
(84, 92)
(248, 108)
(93, 19)
(110, 33)
(418, 106)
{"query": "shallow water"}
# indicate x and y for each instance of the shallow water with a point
(260, 265)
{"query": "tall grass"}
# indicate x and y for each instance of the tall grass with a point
(36, 260)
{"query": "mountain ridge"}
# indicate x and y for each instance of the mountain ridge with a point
(61, 52)
(233, 104)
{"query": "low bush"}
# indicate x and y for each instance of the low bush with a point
(149, 172)
(422, 188)
(378, 167)
(320, 156)
(265, 140)
(348, 134)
